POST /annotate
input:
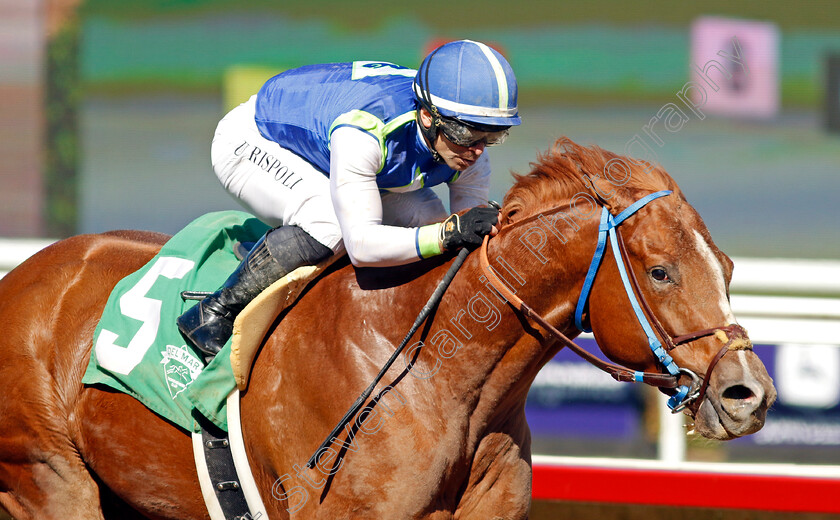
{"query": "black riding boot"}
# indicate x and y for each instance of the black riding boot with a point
(209, 324)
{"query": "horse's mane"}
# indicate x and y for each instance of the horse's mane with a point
(557, 176)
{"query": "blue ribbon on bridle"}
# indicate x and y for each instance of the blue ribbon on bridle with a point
(607, 229)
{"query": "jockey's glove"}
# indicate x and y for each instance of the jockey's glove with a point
(467, 230)
(456, 231)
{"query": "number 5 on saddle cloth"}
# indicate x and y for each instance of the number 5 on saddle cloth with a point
(138, 349)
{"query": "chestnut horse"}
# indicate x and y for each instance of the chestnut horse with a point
(447, 437)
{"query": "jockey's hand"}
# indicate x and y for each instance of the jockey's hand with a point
(468, 230)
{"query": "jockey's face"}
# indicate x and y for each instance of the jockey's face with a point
(456, 157)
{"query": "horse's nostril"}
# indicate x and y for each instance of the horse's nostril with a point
(738, 392)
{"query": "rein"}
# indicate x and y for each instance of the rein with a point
(434, 299)
(607, 231)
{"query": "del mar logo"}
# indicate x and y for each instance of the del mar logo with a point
(180, 368)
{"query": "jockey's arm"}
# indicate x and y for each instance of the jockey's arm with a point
(355, 157)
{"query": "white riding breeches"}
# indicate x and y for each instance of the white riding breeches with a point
(281, 188)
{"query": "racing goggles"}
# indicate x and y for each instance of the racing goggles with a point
(466, 136)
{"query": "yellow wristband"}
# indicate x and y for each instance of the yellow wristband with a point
(427, 241)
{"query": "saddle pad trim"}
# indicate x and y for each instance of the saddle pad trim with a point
(252, 324)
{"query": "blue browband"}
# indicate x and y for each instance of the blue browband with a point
(607, 227)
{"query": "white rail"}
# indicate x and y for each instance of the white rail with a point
(786, 276)
(15, 250)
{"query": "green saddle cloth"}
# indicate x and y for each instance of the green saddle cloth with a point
(137, 348)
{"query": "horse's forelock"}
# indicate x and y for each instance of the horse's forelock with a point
(557, 176)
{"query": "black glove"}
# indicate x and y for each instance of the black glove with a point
(469, 229)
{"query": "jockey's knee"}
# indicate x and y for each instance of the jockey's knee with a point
(293, 247)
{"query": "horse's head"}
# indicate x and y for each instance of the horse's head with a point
(684, 278)
(681, 285)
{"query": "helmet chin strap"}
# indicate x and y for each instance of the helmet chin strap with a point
(430, 133)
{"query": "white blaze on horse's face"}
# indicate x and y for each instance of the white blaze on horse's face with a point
(719, 284)
(741, 391)
(717, 277)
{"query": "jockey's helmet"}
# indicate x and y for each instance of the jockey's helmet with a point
(470, 83)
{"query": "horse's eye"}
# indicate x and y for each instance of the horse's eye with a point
(660, 274)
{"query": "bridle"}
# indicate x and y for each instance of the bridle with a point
(733, 335)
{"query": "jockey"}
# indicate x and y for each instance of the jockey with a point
(342, 156)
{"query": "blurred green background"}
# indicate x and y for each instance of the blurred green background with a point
(590, 50)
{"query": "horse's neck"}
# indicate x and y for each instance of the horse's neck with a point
(500, 351)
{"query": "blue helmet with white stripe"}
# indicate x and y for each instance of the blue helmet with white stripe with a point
(468, 81)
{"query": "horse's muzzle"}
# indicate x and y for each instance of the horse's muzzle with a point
(737, 399)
